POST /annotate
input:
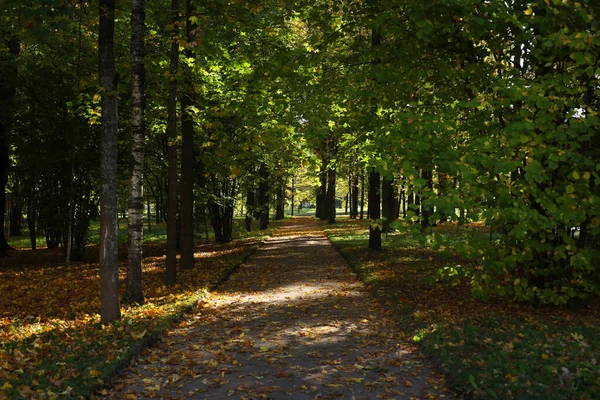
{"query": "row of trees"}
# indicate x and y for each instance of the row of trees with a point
(183, 105)
(445, 110)
(485, 108)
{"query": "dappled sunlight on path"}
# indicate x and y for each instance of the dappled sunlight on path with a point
(292, 323)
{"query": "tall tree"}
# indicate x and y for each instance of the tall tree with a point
(171, 271)
(8, 74)
(136, 202)
(187, 154)
(109, 262)
(374, 194)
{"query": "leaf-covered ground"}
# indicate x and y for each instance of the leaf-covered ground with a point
(51, 342)
(494, 349)
(292, 323)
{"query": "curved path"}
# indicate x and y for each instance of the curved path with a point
(292, 323)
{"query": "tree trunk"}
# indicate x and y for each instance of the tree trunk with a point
(171, 270)
(293, 192)
(403, 201)
(187, 160)
(134, 291)
(322, 193)
(109, 262)
(280, 211)
(250, 201)
(355, 196)
(331, 176)
(349, 197)
(374, 212)
(263, 197)
(31, 217)
(16, 214)
(387, 204)
(427, 210)
(7, 94)
(362, 193)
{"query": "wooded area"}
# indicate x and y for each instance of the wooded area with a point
(414, 114)
(468, 111)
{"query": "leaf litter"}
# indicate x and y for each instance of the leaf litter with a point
(292, 323)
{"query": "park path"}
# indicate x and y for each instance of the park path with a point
(292, 323)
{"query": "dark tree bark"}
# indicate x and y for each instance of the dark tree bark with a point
(31, 220)
(403, 199)
(388, 203)
(250, 204)
(293, 192)
(109, 263)
(362, 193)
(133, 290)
(16, 214)
(410, 201)
(280, 210)
(7, 94)
(349, 197)
(221, 211)
(171, 270)
(374, 210)
(322, 191)
(187, 159)
(263, 197)
(427, 210)
(331, 176)
(355, 196)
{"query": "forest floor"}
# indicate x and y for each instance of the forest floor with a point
(293, 323)
(488, 349)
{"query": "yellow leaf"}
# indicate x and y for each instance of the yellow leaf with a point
(138, 336)
(6, 386)
(131, 396)
(264, 348)
(529, 11)
(94, 373)
(408, 383)
(545, 356)
(586, 176)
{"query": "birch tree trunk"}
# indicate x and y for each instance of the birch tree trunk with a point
(134, 291)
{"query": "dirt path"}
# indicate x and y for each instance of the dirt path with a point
(293, 323)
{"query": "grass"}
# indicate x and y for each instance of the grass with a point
(488, 350)
(52, 344)
(156, 233)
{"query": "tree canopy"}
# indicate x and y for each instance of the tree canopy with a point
(468, 110)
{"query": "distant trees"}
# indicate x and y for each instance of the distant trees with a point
(9, 49)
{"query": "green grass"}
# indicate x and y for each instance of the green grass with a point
(156, 233)
(487, 350)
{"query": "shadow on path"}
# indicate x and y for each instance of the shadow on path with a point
(292, 323)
